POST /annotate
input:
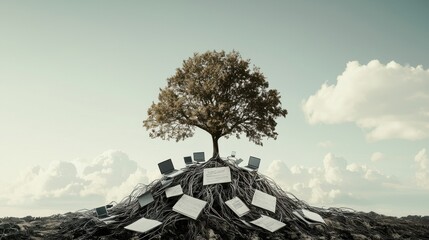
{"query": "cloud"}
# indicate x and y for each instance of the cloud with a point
(389, 101)
(422, 173)
(335, 183)
(78, 184)
(109, 170)
(326, 144)
(334, 168)
(377, 156)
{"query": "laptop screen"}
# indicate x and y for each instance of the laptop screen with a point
(254, 162)
(166, 166)
(101, 211)
(199, 156)
(145, 199)
(188, 160)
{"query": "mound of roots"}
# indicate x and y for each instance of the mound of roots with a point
(217, 220)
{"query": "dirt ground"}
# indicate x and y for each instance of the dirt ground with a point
(346, 226)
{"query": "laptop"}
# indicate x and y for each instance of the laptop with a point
(102, 213)
(145, 199)
(233, 158)
(253, 164)
(199, 157)
(238, 161)
(188, 160)
(167, 169)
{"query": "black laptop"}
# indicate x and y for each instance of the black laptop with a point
(102, 213)
(188, 160)
(253, 164)
(167, 169)
(199, 157)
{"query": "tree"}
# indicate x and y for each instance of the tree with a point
(220, 94)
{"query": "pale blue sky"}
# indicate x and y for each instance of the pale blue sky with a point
(76, 79)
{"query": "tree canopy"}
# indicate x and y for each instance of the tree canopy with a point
(219, 93)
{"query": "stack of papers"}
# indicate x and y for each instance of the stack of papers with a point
(238, 206)
(174, 191)
(143, 225)
(189, 206)
(309, 217)
(268, 223)
(216, 175)
(264, 200)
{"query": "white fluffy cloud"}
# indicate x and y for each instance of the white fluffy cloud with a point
(422, 173)
(389, 101)
(336, 182)
(377, 156)
(70, 186)
(326, 144)
(334, 168)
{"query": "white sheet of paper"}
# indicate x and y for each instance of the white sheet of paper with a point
(268, 223)
(237, 206)
(109, 221)
(216, 175)
(174, 191)
(313, 216)
(300, 217)
(143, 225)
(189, 206)
(264, 200)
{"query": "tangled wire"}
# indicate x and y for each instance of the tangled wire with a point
(217, 220)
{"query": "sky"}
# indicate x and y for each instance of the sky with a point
(77, 78)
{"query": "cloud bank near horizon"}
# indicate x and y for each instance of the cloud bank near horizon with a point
(77, 184)
(342, 184)
(422, 173)
(389, 101)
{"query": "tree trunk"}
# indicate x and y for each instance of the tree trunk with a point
(215, 146)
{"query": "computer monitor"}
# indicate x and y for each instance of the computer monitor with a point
(188, 160)
(199, 157)
(166, 166)
(254, 162)
(101, 212)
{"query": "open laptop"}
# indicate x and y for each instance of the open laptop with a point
(167, 169)
(102, 213)
(199, 157)
(145, 199)
(188, 160)
(253, 164)
(234, 159)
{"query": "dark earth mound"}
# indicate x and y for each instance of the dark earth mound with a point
(348, 225)
(216, 221)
